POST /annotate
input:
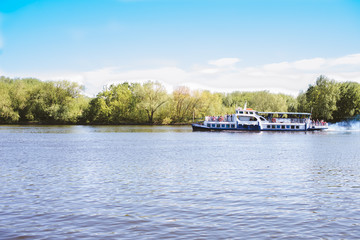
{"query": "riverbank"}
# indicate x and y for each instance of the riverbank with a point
(29, 100)
(91, 124)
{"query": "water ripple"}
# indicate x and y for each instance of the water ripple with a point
(170, 183)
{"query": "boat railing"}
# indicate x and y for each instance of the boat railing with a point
(318, 123)
(226, 118)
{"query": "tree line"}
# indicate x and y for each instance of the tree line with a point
(30, 100)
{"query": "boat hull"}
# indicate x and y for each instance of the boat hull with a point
(317, 128)
(200, 127)
(247, 119)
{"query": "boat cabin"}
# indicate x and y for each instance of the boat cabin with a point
(249, 119)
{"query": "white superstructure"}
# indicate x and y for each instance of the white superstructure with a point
(249, 119)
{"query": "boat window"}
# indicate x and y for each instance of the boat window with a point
(297, 127)
(268, 126)
(209, 125)
(213, 125)
(287, 126)
(223, 125)
(218, 125)
(273, 126)
(292, 127)
(241, 112)
(278, 126)
(232, 125)
(283, 126)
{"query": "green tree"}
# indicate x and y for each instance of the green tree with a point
(113, 105)
(209, 104)
(302, 104)
(322, 98)
(260, 101)
(98, 111)
(151, 96)
(348, 104)
(184, 102)
(266, 101)
(60, 102)
(30, 99)
(7, 113)
(121, 102)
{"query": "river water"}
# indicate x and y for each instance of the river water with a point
(162, 182)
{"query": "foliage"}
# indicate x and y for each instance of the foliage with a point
(262, 101)
(113, 105)
(24, 100)
(322, 97)
(32, 100)
(348, 104)
(166, 121)
(151, 96)
(185, 104)
(7, 113)
(302, 105)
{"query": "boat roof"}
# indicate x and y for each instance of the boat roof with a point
(293, 113)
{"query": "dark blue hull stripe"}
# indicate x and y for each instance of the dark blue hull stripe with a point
(197, 127)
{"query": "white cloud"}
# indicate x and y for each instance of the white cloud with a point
(209, 70)
(277, 66)
(284, 77)
(310, 64)
(304, 64)
(353, 59)
(224, 62)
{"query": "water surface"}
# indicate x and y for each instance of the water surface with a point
(163, 182)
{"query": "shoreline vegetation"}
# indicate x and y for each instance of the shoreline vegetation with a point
(26, 101)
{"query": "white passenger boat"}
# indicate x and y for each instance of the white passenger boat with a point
(247, 119)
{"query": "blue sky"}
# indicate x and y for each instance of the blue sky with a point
(220, 45)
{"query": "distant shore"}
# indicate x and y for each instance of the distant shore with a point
(92, 124)
(31, 101)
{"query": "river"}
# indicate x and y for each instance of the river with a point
(167, 182)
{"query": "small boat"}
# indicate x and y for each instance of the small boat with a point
(247, 119)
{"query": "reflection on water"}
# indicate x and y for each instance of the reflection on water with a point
(89, 129)
(143, 182)
(144, 128)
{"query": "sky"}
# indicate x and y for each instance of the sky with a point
(218, 45)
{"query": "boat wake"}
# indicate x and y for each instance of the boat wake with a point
(345, 126)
